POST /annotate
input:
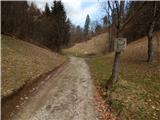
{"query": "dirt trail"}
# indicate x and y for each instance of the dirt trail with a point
(68, 95)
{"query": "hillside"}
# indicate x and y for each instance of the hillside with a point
(95, 45)
(136, 96)
(22, 62)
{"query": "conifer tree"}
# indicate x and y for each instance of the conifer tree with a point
(47, 10)
(60, 25)
(86, 26)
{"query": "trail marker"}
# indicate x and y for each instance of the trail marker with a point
(120, 44)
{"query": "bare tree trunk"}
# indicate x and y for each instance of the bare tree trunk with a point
(150, 35)
(150, 43)
(115, 70)
(109, 30)
(110, 39)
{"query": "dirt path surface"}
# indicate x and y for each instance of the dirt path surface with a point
(68, 95)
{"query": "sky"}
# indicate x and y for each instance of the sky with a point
(77, 10)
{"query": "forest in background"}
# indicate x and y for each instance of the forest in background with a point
(53, 29)
(128, 81)
(49, 28)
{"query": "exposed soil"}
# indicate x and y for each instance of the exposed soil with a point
(11, 104)
(66, 95)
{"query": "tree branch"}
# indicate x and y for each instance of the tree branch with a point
(105, 8)
(131, 17)
(117, 6)
(110, 6)
(118, 13)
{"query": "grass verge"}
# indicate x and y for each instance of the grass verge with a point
(136, 96)
(22, 62)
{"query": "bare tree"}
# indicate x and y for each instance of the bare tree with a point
(155, 17)
(121, 23)
(107, 21)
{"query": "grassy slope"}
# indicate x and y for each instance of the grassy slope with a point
(22, 62)
(93, 46)
(136, 95)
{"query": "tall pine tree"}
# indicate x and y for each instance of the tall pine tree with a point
(47, 10)
(61, 30)
(86, 26)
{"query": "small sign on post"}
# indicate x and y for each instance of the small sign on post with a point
(120, 44)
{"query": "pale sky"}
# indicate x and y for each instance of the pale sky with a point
(77, 10)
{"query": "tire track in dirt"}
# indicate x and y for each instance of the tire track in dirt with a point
(68, 95)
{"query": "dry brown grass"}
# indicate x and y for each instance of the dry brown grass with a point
(22, 62)
(138, 49)
(93, 46)
(136, 96)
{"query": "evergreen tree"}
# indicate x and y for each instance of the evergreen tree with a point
(60, 25)
(86, 26)
(47, 10)
(67, 32)
(98, 28)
